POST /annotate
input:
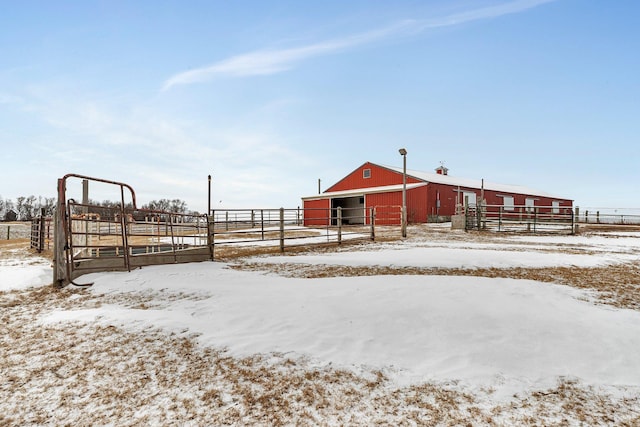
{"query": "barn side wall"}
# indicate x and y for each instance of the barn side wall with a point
(447, 196)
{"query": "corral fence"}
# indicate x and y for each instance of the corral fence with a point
(609, 216)
(41, 232)
(92, 238)
(289, 227)
(535, 219)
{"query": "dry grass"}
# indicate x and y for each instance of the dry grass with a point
(7, 246)
(81, 374)
(87, 374)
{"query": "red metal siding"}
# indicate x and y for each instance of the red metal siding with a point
(380, 177)
(447, 194)
(389, 205)
(316, 212)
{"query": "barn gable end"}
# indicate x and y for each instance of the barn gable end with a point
(370, 175)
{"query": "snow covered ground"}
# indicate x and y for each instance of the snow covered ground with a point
(473, 334)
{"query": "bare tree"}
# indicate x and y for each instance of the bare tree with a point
(175, 205)
(179, 206)
(20, 209)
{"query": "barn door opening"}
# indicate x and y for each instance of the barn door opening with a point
(352, 210)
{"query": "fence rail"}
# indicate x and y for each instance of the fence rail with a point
(536, 219)
(91, 238)
(40, 233)
(286, 227)
(608, 216)
(130, 238)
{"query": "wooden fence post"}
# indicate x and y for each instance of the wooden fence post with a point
(372, 219)
(281, 229)
(339, 225)
(211, 229)
(59, 242)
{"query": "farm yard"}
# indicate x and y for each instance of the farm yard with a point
(442, 328)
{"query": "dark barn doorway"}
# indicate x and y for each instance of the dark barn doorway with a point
(352, 210)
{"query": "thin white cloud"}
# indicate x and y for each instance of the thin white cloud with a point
(274, 61)
(266, 62)
(484, 13)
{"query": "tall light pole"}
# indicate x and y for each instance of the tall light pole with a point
(209, 199)
(403, 153)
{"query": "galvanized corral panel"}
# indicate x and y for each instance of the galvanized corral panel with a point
(377, 176)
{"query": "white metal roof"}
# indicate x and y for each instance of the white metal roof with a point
(472, 183)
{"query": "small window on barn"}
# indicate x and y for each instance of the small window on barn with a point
(556, 206)
(508, 203)
(366, 173)
(530, 204)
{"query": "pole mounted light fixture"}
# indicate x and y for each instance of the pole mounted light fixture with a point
(209, 196)
(403, 153)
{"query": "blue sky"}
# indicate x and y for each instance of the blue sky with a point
(270, 96)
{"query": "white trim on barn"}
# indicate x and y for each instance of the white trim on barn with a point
(364, 191)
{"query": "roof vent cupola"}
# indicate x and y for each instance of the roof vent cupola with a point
(441, 170)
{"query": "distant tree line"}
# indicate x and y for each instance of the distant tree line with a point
(27, 208)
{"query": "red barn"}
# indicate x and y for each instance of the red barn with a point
(429, 196)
